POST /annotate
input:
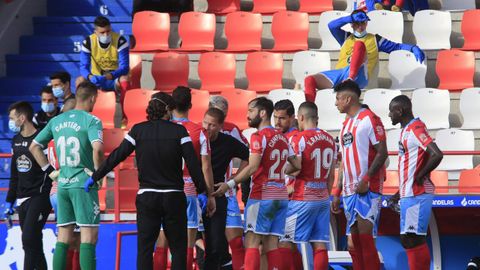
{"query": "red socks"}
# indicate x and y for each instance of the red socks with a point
(190, 258)
(419, 257)
(297, 261)
(357, 59)
(238, 252)
(76, 260)
(356, 253)
(252, 259)
(286, 258)
(310, 88)
(69, 259)
(320, 259)
(369, 252)
(160, 259)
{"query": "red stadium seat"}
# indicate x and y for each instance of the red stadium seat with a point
(243, 31)
(136, 102)
(315, 6)
(440, 180)
(264, 71)
(105, 108)
(151, 30)
(217, 71)
(200, 101)
(223, 6)
(469, 183)
(455, 69)
(135, 70)
(169, 70)
(290, 31)
(470, 30)
(238, 100)
(197, 31)
(112, 138)
(269, 6)
(126, 187)
(390, 186)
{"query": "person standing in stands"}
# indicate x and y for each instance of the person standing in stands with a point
(418, 156)
(104, 59)
(29, 186)
(159, 146)
(49, 108)
(61, 88)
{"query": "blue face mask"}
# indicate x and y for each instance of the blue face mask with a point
(48, 107)
(58, 92)
(13, 127)
(360, 34)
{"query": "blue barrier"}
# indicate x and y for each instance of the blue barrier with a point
(49, 44)
(58, 26)
(22, 86)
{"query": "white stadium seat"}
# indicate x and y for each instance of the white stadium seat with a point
(432, 106)
(329, 116)
(307, 63)
(387, 24)
(247, 133)
(393, 137)
(470, 108)
(296, 96)
(329, 43)
(455, 140)
(432, 29)
(378, 100)
(405, 71)
(458, 4)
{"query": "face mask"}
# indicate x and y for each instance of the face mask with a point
(13, 127)
(360, 34)
(105, 39)
(48, 107)
(58, 92)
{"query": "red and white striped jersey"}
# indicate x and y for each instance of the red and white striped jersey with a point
(358, 136)
(268, 182)
(412, 157)
(201, 144)
(318, 151)
(234, 131)
(53, 160)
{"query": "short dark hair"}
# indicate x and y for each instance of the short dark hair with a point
(101, 21)
(183, 98)
(348, 85)
(85, 90)
(285, 105)
(46, 89)
(217, 114)
(404, 102)
(63, 76)
(263, 103)
(159, 105)
(23, 108)
(309, 109)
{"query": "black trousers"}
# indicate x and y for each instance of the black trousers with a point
(169, 210)
(33, 215)
(216, 245)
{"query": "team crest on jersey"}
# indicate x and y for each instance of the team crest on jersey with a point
(379, 130)
(347, 139)
(423, 137)
(256, 145)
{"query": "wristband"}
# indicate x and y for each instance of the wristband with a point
(231, 183)
(48, 168)
(336, 192)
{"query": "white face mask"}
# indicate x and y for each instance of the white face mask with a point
(360, 34)
(105, 39)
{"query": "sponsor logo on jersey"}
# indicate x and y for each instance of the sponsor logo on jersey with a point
(347, 139)
(24, 164)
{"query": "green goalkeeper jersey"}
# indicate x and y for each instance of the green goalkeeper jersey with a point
(73, 132)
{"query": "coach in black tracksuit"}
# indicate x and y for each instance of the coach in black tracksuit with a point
(224, 148)
(29, 186)
(159, 146)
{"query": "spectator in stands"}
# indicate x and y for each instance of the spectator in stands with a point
(49, 108)
(104, 59)
(358, 56)
(163, 5)
(412, 5)
(61, 87)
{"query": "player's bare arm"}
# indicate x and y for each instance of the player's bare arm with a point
(208, 174)
(98, 155)
(294, 165)
(377, 163)
(335, 206)
(435, 156)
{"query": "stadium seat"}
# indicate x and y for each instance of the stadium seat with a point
(169, 70)
(432, 29)
(455, 69)
(243, 31)
(432, 106)
(112, 138)
(264, 71)
(329, 43)
(102, 195)
(297, 97)
(105, 108)
(388, 24)
(456, 5)
(151, 30)
(290, 31)
(329, 116)
(238, 100)
(307, 63)
(217, 71)
(135, 70)
(223, 6)
(200, 101)
(379, 100)
(269, 6)
(197, 31)
(393, 137)
(468, 182)
(390, 186)
(470, 30)
(440, 180)
(455, 140)
(315, 6)
(470, 109)
(247, 133)
(136, 102)
(405, 71)
(126, 187)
